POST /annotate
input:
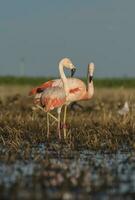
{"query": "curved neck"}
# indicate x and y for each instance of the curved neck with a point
(90, 86)
(63, 77)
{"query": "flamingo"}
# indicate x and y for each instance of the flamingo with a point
(37, 91)
(74, 90)
(77, 90)
(52, 94)
(54, 82)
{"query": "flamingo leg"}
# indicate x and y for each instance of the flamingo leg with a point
(64, 122)
(48, 112)
(39, 107)
(48, 121)
(52, 116)
(59, 113)
(53, 123)
(48, 128)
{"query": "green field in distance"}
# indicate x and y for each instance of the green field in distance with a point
(98, 82)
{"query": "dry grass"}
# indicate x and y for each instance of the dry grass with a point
(98, 126)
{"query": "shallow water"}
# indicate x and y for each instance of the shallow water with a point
(53, 173)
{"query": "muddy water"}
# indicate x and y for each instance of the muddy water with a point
(51, 173)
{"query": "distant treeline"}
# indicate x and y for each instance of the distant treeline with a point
(99, 82)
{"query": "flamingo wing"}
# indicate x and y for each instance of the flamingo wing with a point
(44, 86)
(74, 90)
(53, 98)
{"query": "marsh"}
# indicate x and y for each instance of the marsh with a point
(95, 161)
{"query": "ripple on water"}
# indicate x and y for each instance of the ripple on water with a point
(86, 173)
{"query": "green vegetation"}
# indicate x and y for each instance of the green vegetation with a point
(12, 80)
(104, 82)
(115, 82)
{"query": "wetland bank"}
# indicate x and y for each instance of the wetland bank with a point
(97, 161)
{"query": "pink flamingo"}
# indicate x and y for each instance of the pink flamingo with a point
(52, 94)
(79, 91)
(55, 82)
(76, 90)
(37, 91)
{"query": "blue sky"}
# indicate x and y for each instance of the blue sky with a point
(35, 35)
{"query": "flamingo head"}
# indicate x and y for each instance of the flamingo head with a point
(91, 68)
(66, 62)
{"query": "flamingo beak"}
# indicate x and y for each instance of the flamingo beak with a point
(90, 78)
(73, 72)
